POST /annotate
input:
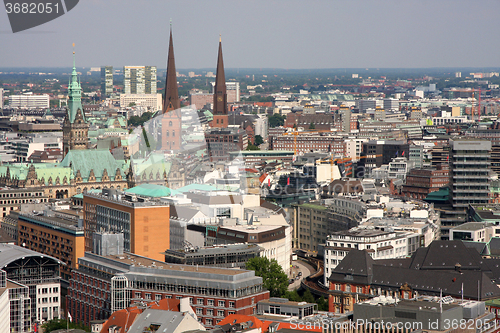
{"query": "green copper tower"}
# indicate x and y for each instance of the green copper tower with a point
(75, 127)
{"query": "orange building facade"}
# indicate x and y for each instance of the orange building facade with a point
(145, 224)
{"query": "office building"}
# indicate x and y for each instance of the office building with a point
(380, 244)
(54, 233)
(469, 165)
(226, 256)
(1, 98)
(106, 81)
(40, 274)
(143, 221)
(102, 285)
(275, 240)
(29, 101)
(314, 221)
(421, 182)
(11, 199)
(232, 90)
(152, 102)
(391, 104)
(139, 79)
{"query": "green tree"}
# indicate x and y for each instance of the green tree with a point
(251, 146)
(274, 278)
(312, 126)
(322, 304)
(57, 324)
(258, 140)
(276, 120)
(131, 104)
(135, 121)
(308, 297)
(293, 296)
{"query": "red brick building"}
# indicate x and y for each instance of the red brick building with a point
(421, 182)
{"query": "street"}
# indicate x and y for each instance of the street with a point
(303, 267)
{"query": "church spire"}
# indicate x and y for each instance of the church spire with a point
(220, 93)
(171, 98)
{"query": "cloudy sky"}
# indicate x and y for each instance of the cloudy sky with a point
(263, 34)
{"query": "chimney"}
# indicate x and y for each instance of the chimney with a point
(184, 305)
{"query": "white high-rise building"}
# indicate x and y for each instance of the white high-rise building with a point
(1, 98)
(232, 90)
(139, 79)
(29, 101)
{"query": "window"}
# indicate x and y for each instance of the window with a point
(191, 300)
(220, 313)
(208, 321)
(221, 304)
(337, 286)
(157, 297)
(210, 312)
(137, 295)
(232, 304)
(199, 311)
(199, 301)
(210, 302)
(231, 312)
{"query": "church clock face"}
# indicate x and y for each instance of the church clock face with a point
(219, 98)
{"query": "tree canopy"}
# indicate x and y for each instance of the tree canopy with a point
(276, 120)
(258, 140)
(139, 121)
(274, 278)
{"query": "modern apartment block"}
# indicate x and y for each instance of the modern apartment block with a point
(104, 284)
(144, 221)
(139, 79)
(469, 172)
(58, 235)
(106, 81)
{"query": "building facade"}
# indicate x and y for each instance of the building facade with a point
(102, 285)
(29, 101)
(139, 79)
(106, 81)
(144, 222)
(57, 235)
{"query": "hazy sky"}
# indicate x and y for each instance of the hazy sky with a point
(263, 34)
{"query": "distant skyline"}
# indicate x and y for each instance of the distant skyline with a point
(287, 34)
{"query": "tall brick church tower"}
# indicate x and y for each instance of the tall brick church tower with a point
(171, 123)
(220, 94)
(75, 127)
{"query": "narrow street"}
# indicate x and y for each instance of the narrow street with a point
(299, 266)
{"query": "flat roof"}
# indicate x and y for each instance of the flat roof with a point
(362, 232)
(138, 261)
(470, 226)
(221, 249)
(252, 229)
